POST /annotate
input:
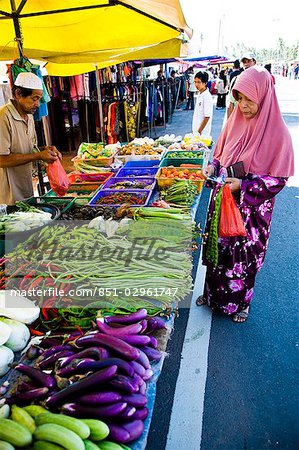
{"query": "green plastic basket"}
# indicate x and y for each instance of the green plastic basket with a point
(176, 162)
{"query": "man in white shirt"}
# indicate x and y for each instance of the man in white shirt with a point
(203, 112)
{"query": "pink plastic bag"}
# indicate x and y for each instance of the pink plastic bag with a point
(231, 222)
(58, 178)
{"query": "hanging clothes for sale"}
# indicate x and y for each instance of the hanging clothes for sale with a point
(5, 91)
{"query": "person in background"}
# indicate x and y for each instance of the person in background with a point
(222, 90)
(160, 77)
(191, 89)
(203, 112)
(211, 78)
(268, 67)
(256, 143)
(18, 140)
(236, 70)
(248, 60)
(171, 81)
(296, 71)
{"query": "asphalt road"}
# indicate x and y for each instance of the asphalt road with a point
(234, 386)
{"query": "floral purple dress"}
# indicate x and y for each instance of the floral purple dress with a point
(229, 286)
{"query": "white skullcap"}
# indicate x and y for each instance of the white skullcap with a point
(248, 55)
(29, 81)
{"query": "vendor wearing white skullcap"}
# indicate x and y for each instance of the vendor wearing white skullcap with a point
(18, 139)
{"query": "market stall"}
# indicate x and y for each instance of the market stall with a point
(104, 280)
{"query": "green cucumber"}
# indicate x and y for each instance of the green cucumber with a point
(22, 417)
(108, 445)
(44, 445)
(98, 429)
(14, 433)
(6, 446)
(35, 410)
(90, 445)
(75, 425)
(51, 432)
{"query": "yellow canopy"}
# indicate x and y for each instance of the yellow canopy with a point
(60, 66)
(54, 29)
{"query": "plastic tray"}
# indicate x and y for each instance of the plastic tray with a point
(102, 193)
(63, 203)
(126, 158)
(164, 183)
(193, 152)
(110, 184)
(176, 162)
(86, 191)
(133, 164)
(137, 172)
(87, 178)
(98, 162)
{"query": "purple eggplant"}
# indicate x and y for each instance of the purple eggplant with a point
(89, 382)
(96, 353)
(50, 361)
(124, 384)
(118, 433)
(127, 318)
(55, 349)
(33, 352)
(118, 332)
(99, 412)
(49, 342)
(134, 428)
(98, 398)
(37, 375)
(137, 400)
(72, 368)
(156, 323)
(148, 374)
(142, 388)
(137, 379)
(152, 353)
(143, 359)
(153, 342)
(143, 324)
(136, 339)
(138, 368)
(140, 414)
(90, 365)
(126, 413)
(113, 343)
(33, 395)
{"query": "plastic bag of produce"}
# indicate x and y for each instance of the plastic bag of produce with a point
(58, 178)
(231, 222)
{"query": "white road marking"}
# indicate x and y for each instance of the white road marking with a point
(185, 427)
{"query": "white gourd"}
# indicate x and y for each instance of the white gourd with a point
(17, 307)
(6, 358)
(19, 335)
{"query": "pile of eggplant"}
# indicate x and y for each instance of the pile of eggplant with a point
(101, 374)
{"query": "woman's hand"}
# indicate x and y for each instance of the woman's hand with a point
(235, 184)
(208, 171)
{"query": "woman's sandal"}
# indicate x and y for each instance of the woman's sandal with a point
(201, 301)
(241, 316)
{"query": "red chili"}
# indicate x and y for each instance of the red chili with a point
(26, 277)
(35, 332)
(36, 282)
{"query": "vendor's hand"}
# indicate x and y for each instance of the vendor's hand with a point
(53, 149)
(48, 155)
(208, 171)
(234, 184)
